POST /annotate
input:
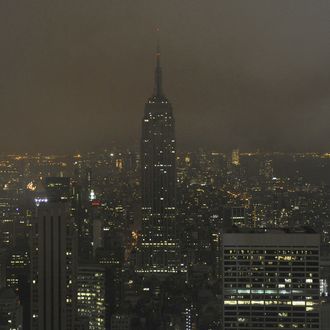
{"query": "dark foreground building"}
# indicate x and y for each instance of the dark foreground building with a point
(271, 280)
(53, 260)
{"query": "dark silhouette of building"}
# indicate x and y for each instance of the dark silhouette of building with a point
(57, 188)
(158, 246)
(53, 260)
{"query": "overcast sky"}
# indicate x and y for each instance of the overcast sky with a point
(74, 74)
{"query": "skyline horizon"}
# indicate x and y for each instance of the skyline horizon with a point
(136, 148)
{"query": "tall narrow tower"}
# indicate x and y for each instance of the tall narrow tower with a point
(158, 247)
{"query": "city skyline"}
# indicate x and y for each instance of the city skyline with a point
(239, 75)
(197, 200)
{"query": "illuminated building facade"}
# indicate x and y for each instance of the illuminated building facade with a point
(158, 248)
(3, 262)
(16, 270)
(235, 216)
(235, 160)
(11, 313)
(58, 188)
(53, 267)
(266, 169)
(120, 322)
(325, 315)
(271, 280)
(9, 218)
(90, 296)
(83, 195)
(18, 278)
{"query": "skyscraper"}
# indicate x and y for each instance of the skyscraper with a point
(53, 264)
(271, 279)
(158, 247)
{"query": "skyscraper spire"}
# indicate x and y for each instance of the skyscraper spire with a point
(158, 73)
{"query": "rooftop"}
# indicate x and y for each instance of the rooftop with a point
(286, 230)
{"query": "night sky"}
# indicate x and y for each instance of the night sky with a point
(74, 74)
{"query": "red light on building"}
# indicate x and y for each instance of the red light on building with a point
(96, 202)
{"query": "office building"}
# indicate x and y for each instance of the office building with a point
(53, 266)
(271, 279)
(11, 312)
(235, 216)
(57, 188)
(90, 296)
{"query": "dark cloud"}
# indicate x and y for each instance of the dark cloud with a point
(75, 74)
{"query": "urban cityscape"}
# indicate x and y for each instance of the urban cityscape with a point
(159, 235)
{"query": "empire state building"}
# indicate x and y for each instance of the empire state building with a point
(158, 247)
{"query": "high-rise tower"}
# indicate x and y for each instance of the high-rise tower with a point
(158, 247)
(53, 260)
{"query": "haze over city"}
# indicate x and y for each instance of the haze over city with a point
(250, 74)
(164, 165)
